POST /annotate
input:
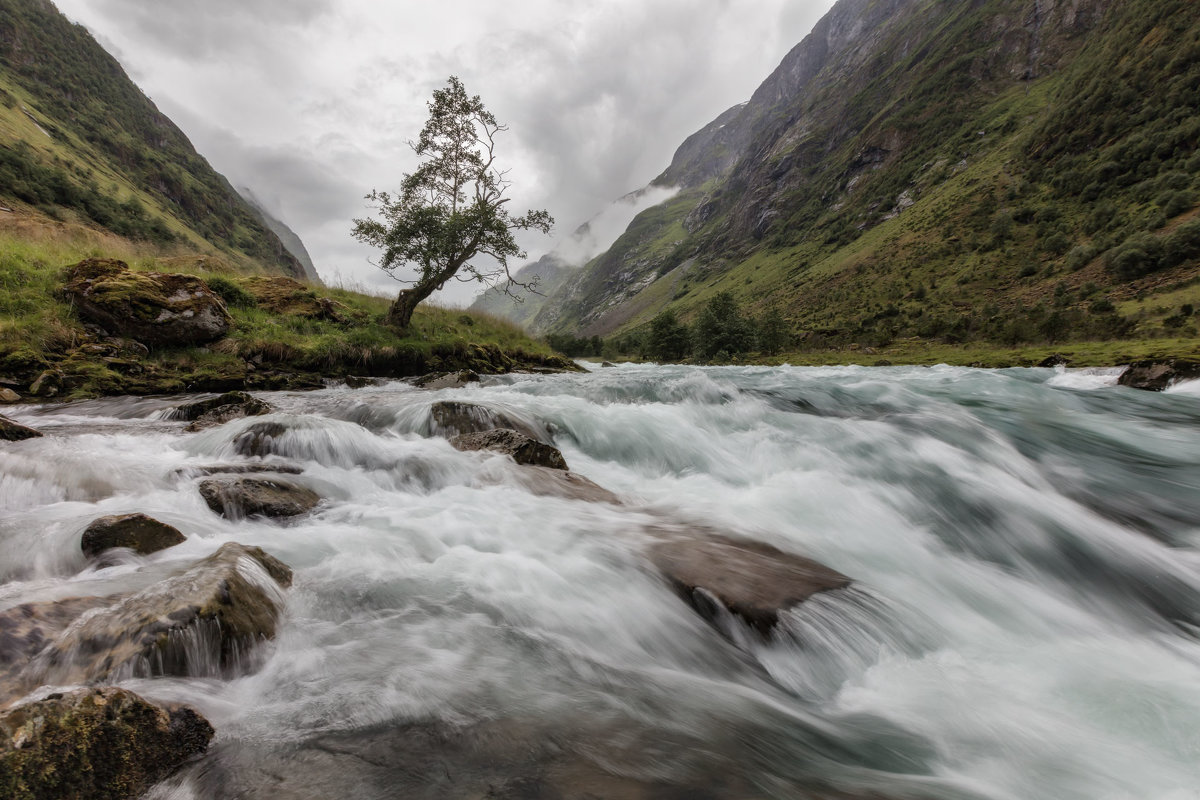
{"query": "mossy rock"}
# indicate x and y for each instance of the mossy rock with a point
(281, 295)
(204, 621)
(95, 744)
(155, 308)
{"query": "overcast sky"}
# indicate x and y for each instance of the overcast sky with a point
(310, 102)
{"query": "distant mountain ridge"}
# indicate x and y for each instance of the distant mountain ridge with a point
(1000, 169)
(290, 239)
(79, 138)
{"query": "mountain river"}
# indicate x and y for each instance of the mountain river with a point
(1024, 622)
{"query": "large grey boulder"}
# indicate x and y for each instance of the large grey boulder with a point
(94, 744)
(523, 449)
(219, 410)
(155, 308)
(751, 580)
(453, 418)
(237, 498)
(138, 532)
(204, 620)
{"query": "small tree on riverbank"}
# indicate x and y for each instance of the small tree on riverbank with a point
(450, 218)
(721, 329)
(668, 339)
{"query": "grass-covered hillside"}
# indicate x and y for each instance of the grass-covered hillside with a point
(80, 142)
(284, 333)
(993, 173)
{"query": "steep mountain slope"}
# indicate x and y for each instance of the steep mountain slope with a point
(290, 239)
(546, 276)
(1010, 170)
(81, 140)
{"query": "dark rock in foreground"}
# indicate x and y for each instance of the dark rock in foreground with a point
(155, 308)
(1155, 376)
(94, 744)
(451, 418)
(236, 498)
(219, 410)
(752, 580)
(138, 532)
(1055, 360)
(15, 432)
(522, 448)
(203, 621)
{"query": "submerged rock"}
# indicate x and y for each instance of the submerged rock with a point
(751, 580)
(15, 432)
(106, 744)
(237, 469)
(523, 449)
(138, 532)
(26, 629)
(452, 418)
(219, 410)
(1156, 376)
(202, 621)
(247, 497)
(152, 307)
(547, 482)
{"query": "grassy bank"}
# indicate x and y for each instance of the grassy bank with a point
(284, 334)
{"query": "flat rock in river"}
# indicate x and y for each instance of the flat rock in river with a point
(547, 482)
(752, 580)
(236, 498)
(219, 410)
(101, 744)
(138, 532)
(203, 621)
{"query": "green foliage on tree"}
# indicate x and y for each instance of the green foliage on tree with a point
(721, 331)
(449, 220)
(773, 333)
(669, 339)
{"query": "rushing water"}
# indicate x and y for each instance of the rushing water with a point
(1024, 623)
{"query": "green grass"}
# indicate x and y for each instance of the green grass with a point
(39, 330)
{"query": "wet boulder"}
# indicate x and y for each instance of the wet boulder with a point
(106, 744)
(138, 532)
(447, 380)
(1156, 376)
(452, 418)
(521, 448)
(15, 432)
(8, 396)
(259, 439)
(1056, 360)
(203, 621)
(26, 629)
(751, 580)
(158, 309)
(236, 498)
(221, 409)
(237, 469)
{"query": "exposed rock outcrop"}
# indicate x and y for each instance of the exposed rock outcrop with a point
(15, 432)
(202, 621)
(157, 309)
(95, 744)
(452, 418)
(751, 580)
(1156, 376)
(219, 410)
(523, 449)
(138, 532)
(236, 498)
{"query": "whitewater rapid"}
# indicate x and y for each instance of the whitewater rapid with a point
(1023, 542)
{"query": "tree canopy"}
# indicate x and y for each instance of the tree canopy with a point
(450, 218)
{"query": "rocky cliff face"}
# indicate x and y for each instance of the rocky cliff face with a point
(928, 151)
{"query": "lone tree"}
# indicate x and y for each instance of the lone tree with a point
(450, 218)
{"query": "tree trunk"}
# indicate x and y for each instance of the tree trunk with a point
(400, 314)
